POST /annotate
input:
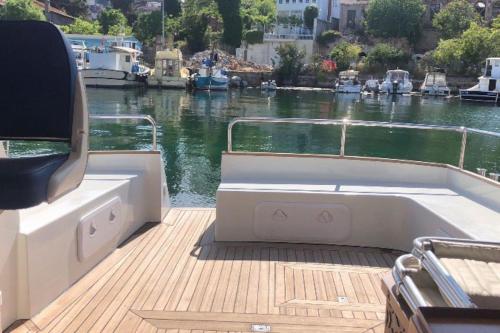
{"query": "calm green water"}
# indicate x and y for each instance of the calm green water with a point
(193, 130)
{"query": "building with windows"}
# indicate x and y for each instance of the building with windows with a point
(287, 8)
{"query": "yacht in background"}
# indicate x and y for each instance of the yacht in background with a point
(348, 82)
(115, 66)
(169, 71)
(488, 88)
(396, 81)
(371, 86)
(435, 84)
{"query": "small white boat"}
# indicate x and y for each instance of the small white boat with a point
(435, 84)
(488, 88)
(348, 82)
(169, 71)
(117, 67)
(396, 81)
(269, 85)
(371, 86)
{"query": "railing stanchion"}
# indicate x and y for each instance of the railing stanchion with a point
(462, 148)
(342, 138)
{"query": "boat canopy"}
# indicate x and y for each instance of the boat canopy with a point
(397, 75)
(349, 75)
(173, 54)
(435, 79)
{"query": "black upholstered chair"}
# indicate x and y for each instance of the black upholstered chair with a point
(42, 97)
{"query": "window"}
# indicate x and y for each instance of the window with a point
(351, 19)
(281, 1)
(294, 1)
(127, 58)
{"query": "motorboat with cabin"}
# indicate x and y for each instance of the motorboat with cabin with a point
(348, 82)
(89, 242)
(488, 88)
(169, 71)
(435, 84)
(396, 81)
(116, 67)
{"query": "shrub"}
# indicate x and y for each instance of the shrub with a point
(344, 54)
(386, 55)
(254, 36)
(310, 13)
(291, 62)
(328, 36)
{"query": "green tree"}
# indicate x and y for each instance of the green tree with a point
(20, 10)
(112, 17)
(81, 26)
(257, 13)
(148, 26)
(310, 13)
(72, 7)
(291, 62)
(395, 18)
(344, 54)
(465, 54)
(233, 28)
(125, 6)
(195, 29)
(455, 18)
(385, 55)
(173, 8)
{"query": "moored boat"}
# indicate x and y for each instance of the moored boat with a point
(209, 78)
(116, 66)
(488, 88)
(371, 86)
(435, 84)
(396, 81)
(269, 85)
(348, 82)
(169, 71)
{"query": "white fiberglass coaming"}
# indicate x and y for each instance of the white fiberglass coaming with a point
(488, 88)
(47, 248)
(348, 200)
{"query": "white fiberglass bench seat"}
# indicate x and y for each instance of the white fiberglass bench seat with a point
(58, 243)
(352, 201)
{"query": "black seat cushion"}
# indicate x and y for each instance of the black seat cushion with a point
(24, 181)
(38, 82)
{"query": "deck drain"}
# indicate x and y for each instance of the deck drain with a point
(342, 299)
(261, 328)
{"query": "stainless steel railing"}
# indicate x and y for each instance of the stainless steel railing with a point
(347, 122)
(147, 118)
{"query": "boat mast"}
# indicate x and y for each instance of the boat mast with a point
(163, 24)
(47, 10)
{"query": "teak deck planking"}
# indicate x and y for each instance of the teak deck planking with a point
(174, 278)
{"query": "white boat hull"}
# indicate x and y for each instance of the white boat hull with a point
(110, 78)
(348, 89)
(402, 88)
(167, 82)
(435, 91)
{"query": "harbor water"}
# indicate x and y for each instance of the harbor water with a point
(192, 130)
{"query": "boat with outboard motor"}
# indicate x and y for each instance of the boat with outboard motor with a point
(210, 77)
(92, 244)
(396, 81)
(348, 82)
(488, 88)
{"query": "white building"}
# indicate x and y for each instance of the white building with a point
(296, 8)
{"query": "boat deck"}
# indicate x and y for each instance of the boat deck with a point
(172, 277)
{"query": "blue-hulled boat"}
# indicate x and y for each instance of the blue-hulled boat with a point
(209, 78)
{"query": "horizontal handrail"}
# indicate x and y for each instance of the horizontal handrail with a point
(347, 122)
(147, 118)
